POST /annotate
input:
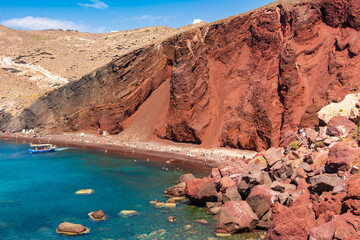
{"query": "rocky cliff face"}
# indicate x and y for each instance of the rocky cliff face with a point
(239, 82)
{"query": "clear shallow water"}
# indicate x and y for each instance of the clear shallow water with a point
(37, 194)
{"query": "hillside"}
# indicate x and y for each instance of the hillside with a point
(240, 82)
(33, 63)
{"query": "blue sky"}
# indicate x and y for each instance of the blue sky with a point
(116, 15)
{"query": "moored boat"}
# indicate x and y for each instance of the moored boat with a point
(41, 148)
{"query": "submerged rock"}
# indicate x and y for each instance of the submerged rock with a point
(128, 213)
(85, 192)
(71, 229)
(97, 215)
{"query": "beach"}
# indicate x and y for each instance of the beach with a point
(165, 150)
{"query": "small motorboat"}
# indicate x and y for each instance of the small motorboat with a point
(41, 148)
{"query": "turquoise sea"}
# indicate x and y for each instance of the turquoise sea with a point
(37, 194)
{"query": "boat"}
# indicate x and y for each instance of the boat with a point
(41, 148)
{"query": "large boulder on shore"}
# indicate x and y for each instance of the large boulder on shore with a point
(273, 155)
(345, 226)
(342, 156)
(176, 190)
(231, 194)
(185, 177)
(199, 191)
(260, 199)
(294, 222)
(225, 183)
(236, 216)
(353, 187)
(232, 169)
(340, 126)
(72, 229)
(326, 183)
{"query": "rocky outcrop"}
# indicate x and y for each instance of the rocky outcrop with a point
(241, 82)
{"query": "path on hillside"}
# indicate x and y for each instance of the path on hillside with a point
(54, 79)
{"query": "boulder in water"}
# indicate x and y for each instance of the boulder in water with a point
(71, 229)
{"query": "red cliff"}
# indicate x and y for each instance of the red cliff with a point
(240, 82)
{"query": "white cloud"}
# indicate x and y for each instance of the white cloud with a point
(150, 18)
(38, 23)
(197, 21)
(95, 4)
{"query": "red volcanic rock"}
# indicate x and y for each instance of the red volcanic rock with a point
(328, 203)
(232, 169)
(260, 199)
(311, 134)
(231, 194)
(353, 205)
(341, 156)
(287, 138)
(353, 187)
(340, 126)
(176, 190)
(240, 82)
(347, 225)
(325, 231)
(273, 155)
(225, 183)
(236, 216)
(186, 177)
(294, 222)
(327, 182)
(215, 173)
(200, 191)
(70, 228)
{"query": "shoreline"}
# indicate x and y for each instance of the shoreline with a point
(180, 153)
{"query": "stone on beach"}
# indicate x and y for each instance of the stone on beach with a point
(225, 183)
(273, 155)
(293, 222)
(236, 216)
(176, 190)
(231, 194)
(97, 215)
(185, 177)
(128, 213)
(232, 169)
(353, 186)
(260, 199)
(326, 182)
(342, 156)
(213, 208)
(340, 126)
(199, 191)
(85, 192)
(71, 229)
